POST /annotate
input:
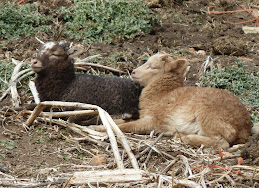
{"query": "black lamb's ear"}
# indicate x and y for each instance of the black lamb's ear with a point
(65, 45)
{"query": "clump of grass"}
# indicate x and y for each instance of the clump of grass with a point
(22, 20)
(181, 52)
(6, 69)
(238, 81)
(107, 20)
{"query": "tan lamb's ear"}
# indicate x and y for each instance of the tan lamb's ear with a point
(176, 66)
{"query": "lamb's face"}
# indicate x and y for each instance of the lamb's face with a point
(156, 66)
(50, 56)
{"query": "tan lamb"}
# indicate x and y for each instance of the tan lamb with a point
(199, 115)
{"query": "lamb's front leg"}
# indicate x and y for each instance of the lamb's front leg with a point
(140, 126)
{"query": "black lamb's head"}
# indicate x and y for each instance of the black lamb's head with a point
(53, 56)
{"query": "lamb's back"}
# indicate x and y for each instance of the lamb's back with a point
(114, 94)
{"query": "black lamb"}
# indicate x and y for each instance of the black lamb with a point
(56, 81)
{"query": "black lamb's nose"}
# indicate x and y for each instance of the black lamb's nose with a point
(133, 72)
(33, 62)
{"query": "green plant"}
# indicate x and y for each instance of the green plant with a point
(80, 155)
(255, 117)
(197, 20)
(6, 69)
(107, 20)
(2, 155)
(181, 52)
(40, 140)
(38, 164)
(7, 144)
(177, 19)
(22, 20)
(66, 158)
(42, 131)
(238, 81)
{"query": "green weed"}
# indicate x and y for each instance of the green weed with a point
(22, 20)
(42, 131)
(181, 52)
(177, 19)
(38, 164)
(107, 20)
(6, 69)
(8, 144)
(238, 81)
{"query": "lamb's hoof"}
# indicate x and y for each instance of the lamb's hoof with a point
(99, 128)
(126, 116)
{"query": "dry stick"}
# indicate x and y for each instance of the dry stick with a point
(42, 105)
(91, 132)
(71, 113)
(205, 171)
(148, 157)
(17, 183)
(112, 138)
(160, 181)
(185, 182)
(77, 130)
(167, 155)
(156, 150)
(79, 64)
(34, 92)
(187, 169)
(173, 175)
(14, 91)
(200, 176)
(89, 58)
(149, 147)
(188, 183)
(124, 142)
(109, 176)
(39, 40)
(6, 175)
(86, 129)
(16, 81)
(231, 181)
(168, 167)
(253, 168)
(64, 114)
(220, 178)
(45, 184)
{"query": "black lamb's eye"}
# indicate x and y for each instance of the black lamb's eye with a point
(55, 55)
(153, 67)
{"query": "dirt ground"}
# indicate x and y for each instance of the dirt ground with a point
(188, 31)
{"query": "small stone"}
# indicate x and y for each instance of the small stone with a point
(201, 52)
(98, 160)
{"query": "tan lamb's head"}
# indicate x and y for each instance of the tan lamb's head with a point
(157, 66)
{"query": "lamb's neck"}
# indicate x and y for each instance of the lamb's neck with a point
(161, 87)
(51, 85)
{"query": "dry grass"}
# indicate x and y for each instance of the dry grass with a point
(163, 161)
